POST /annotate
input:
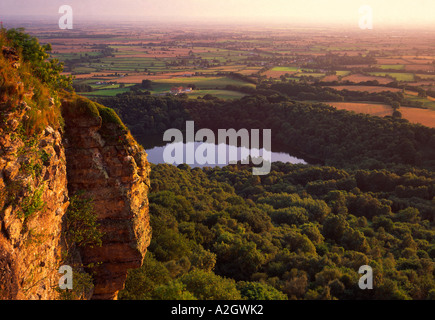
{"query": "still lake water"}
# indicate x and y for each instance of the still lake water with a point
(155, 155)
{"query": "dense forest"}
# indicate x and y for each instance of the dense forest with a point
(302, 231)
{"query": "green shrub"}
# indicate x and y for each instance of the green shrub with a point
(82, 287)
(174, 290)
(82, 229)
(109, 115)
(80, 106)
(45, 69)
(259, 291)
(33, 203)
(209, 286)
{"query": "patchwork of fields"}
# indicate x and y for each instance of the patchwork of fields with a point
(221, 64)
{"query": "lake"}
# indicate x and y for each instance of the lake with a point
(155, 154)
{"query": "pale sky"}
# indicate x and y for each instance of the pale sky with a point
(385, 12)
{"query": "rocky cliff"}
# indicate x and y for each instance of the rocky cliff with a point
(33, 202)
(105, 163)
(83, 148)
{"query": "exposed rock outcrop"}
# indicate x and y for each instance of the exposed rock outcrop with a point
(33, 201)
(12, 55)
(38, 175)
(105, 162)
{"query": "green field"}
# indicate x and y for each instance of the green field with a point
(342, 73)
(286, 69)
(398, 76)
(222, 94)
(131, 64)
(105, 92)
(108, 86)
(201, 82)
(392, 66)
(312, 74)
(84, 70)
(426, 102)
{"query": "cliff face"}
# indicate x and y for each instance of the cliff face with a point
(105, 163)
(93, 154)
(32, 205)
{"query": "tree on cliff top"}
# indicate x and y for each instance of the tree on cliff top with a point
(46, 69)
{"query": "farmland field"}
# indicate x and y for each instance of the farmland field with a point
(379, 110)
(342, 73)
(413, 115)
(203, 82)
(365, 88)
(310, 74)
(427, 76)
(392, 66)
(398, 76)
(286, 69)
(428, 102)
(105, 92)
(391, 61)
(174, 57)
(222, 94)
(420, 67)
(356, 78)
(422, 116)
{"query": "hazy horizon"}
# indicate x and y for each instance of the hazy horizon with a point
(386, 13)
